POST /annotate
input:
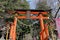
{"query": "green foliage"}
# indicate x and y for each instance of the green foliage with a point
(42, 6)
(13, 4)
(21, 28)
(9, 20)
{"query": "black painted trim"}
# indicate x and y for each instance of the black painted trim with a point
(32, 10)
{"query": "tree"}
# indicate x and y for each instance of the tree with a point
(42, 6)
(6, 5)
(13, 4)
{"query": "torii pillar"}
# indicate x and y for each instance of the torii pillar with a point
(44, 30)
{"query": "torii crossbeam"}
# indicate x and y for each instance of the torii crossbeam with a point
(44, 30)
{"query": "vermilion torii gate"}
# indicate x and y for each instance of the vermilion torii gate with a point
(44, 30)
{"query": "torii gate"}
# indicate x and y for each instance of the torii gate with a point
(44, 30)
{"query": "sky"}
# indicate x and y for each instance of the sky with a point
(51, 3)
(32, 3)
(54, 5)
